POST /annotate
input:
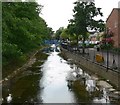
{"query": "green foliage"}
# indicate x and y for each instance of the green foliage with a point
(107, 41)
(58, 33)
(64, 34)
(117, 50)
(83, 19)
(50, 31)
(23, 30)
(10, 52)
(73, 37)
(84, 13)
(106, 46)
(80, 92)
(91, 45)
(73, 43)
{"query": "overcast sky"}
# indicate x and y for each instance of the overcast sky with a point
(57, 12)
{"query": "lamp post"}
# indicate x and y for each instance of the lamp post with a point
(107, 46)
(107, 57)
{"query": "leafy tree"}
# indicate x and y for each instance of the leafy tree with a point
(58, 33)
(84, 13)
(64, 35)
(50, 31)
(23, 30)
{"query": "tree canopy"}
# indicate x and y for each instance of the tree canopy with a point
(58, 32)
(22, 29)
(83, 18)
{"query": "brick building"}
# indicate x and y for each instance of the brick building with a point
(113, 26)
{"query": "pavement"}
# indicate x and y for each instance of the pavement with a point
(113, 58)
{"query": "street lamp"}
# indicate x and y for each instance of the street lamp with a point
(107, 46)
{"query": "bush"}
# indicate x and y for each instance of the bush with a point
(11, 52)
(106, 46)
(91, 45)
(73, 43)
(117, 50)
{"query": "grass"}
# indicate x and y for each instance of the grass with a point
(82, 95)
(25, 87)
(14, 65)
(8, 69)
(80, 92)
(41, 56)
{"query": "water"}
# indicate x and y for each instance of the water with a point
(54, 83)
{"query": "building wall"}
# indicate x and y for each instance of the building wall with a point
(93, 38)
(113, 25)
(119, 27)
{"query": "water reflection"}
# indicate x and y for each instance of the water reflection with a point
(90, 83)
(52, 48)
(54, 81)
(57, 80)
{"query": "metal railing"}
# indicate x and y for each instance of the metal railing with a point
(111, 60)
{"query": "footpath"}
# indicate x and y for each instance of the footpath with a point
(111, 59)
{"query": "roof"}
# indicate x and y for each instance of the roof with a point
(112, 12)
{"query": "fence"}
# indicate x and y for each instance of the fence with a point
(109, 60)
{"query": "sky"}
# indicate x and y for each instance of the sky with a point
(57, 12)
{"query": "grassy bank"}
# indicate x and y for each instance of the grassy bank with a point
(14, 65)
(80, 92)
(27, 82)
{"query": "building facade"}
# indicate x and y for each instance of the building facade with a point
(113, 26)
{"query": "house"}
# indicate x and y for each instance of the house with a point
(113, 26)
(96, 37)
(92, 36)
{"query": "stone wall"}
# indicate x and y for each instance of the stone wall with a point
(90, 66)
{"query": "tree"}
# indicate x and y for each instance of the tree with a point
(50, 31)
(23, 30)
(84, 13)
(58, 33)
(64, 35)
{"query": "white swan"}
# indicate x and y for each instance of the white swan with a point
(9, 98)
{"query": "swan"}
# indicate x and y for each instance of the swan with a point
(9, 98)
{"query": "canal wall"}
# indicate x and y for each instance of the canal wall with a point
(92, 67)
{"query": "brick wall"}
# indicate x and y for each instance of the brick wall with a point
(119, 27)
(113, 24)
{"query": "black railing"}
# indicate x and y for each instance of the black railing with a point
(110, 59)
